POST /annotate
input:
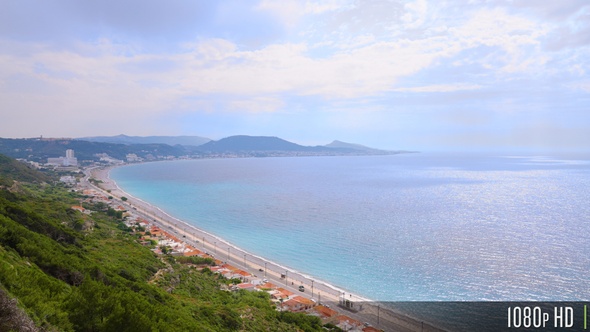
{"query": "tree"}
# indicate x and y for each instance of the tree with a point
(124, 199)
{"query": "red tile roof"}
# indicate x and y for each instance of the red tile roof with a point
(325, 311)
(245, 285)
(284, 291)
(344, 318)
(243, 273)
(268, 285)
(303, 300)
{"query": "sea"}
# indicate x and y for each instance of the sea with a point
(404, 227)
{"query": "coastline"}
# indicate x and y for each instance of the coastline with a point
(365, 310)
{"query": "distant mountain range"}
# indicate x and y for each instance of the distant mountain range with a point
(242, 143)
(352, 146)
(169, 140)
(229, 144)
(159, 147)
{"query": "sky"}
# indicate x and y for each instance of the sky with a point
(413, 75)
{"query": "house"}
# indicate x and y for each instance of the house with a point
(218, 269)
(280, 294)
(267, 285)
(235, 275)
(89, 192)
(190, 251)
(349, 324)
(156, 231)
(298, 303)
(246, 286)
(326, 314)
(142, 222)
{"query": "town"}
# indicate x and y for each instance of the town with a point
(162, 239)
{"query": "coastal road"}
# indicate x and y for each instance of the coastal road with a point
(378, 316)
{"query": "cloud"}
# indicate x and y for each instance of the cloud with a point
(441, 88)
(290, 12)
(334, 62)
(580, 86)
(362, 66)
(416, 13)
(66, 20)
(256, 104)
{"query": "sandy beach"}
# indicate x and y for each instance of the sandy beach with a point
(364, 309)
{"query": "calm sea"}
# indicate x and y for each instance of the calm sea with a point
(417, 227)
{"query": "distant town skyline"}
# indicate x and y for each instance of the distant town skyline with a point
(415, 75)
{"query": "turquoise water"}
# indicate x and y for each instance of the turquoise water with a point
(394, 228)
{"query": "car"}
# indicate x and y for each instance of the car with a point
(260, 270)
(302, 288)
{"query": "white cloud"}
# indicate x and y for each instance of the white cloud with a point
(406, 48)
(214, 49)
(580, 86)
(320, 7)
(416, 13)
(256, 105)
(441, 88)
(498, 28)
(362, 71)
(290, 12)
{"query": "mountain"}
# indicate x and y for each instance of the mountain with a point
(39, 149)
(168, 140)
(344, 145)
(243, 143)
(261, 146)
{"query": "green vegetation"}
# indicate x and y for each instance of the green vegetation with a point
(61, 270)
(11, 170)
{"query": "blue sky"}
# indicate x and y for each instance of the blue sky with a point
(416, 75)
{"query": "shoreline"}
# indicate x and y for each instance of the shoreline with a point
(366, 310)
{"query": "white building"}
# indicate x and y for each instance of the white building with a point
(68, 179)
(68, 160)
(132, 157)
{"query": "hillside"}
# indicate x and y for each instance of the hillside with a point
(242, 143)
(37, 149)
(63, 270)
(168, 140)
(12, 170)
(343, 145)
(41, 149)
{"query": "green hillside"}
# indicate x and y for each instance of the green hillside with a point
(11, 170)
(61, 270)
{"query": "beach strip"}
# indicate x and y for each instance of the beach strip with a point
(362, 309)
